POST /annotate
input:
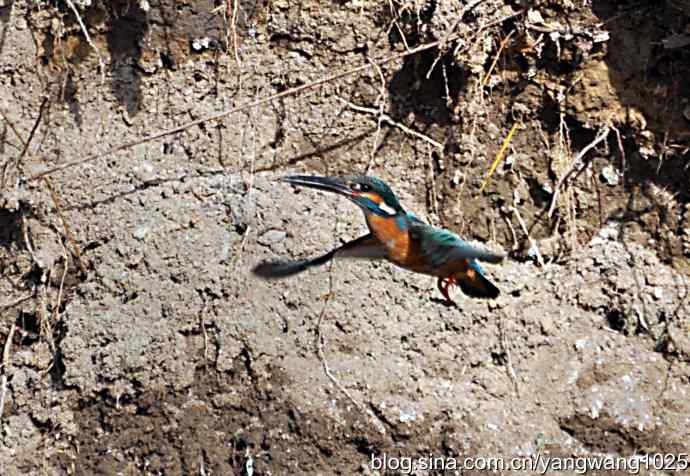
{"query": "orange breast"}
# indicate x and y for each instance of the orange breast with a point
(399, 248)
(396, 241)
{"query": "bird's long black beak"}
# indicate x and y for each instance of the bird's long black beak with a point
(328, 184)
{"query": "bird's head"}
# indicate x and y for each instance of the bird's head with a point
(370, 193)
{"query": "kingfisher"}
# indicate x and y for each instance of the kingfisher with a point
(397, 236)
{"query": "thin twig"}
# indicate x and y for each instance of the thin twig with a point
(621, 149)
(490, 24)
(242, 243)
(65, 225)
(533, 244)
(444, 41)
(39, 118)
(496, 58)
(324, 363)
(214, 117)
(12, 126)
(16, 302)
(202, 324)
(509, 360)
(516, 244)
(389, 120)
(56, 307)
(25, 143)
(232, 7)
(381, 99)
(88, 39)
(573, 166)
(27, 242)
(45, 327)
(5, 366)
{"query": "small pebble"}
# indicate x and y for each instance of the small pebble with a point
(141, 232)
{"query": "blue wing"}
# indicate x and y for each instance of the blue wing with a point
(442, 246)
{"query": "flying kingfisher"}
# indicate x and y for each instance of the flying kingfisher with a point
(397, 236)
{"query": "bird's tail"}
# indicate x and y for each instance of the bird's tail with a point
(475, 284)
(284, 269)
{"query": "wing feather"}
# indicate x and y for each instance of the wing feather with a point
(366, 246)
(443, 246)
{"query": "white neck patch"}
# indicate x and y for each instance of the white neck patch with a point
(387, 209)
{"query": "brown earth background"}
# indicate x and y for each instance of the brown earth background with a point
(135, 339)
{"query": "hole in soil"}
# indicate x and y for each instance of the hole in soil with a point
(30, 325)
(428, 99)
(615, 320)
(10, 229)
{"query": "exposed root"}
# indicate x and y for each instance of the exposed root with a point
(5, 366)
(101, 64)
(65, 225)
(389, 120)
(573, 167)
(533, 244)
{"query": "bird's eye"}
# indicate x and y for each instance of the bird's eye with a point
(359, 187)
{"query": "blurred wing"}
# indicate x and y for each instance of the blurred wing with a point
(366, 246)
(443, 247)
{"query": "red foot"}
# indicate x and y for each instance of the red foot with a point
(443, 285)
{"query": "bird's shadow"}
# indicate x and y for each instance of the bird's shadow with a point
(445, 302)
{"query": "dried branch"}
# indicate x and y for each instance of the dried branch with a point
(389, 120)
(214, 117)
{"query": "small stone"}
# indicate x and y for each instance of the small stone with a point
(144, 172)
(272, 237)
(141, 232)
(408, 415)
(601, 36)
(610, 175)
(581, 344)
(534, 16)
(199, 44)
(547, 324)
(458, 178)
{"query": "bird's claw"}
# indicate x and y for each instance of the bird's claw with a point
(443, 285)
